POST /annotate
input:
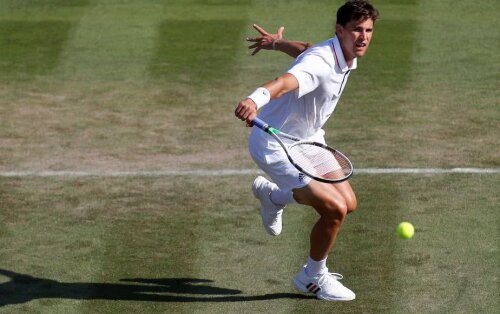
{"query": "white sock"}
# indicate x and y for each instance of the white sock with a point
(281, 197)
(315, 267)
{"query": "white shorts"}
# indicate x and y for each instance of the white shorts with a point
(272, 159)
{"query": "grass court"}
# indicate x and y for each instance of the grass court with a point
(115, 86)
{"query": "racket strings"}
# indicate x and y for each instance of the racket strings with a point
(320, 161)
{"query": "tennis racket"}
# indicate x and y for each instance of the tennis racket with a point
(314, 159)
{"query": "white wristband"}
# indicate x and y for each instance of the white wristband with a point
(261, 96)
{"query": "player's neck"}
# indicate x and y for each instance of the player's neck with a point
(349, 58)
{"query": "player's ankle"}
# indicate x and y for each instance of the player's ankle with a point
(314, 267)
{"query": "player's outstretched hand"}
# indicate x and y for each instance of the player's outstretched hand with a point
(266, 40)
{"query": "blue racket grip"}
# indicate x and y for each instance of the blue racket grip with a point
(260, 124)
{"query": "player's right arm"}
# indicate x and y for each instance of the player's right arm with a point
(248, 107)
(276, 42)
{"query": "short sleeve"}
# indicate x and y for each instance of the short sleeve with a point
(309, 72)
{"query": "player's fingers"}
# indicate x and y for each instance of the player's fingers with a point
(238, 111)
(280, 32)
(254, 39)
(244, 115)
(260, 30)
(242, 112)
(249, 119)
(241, 117)
(253, 46)
(256, 51)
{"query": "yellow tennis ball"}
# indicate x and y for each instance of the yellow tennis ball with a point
(405, 230)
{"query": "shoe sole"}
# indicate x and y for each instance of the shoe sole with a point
(303, 289)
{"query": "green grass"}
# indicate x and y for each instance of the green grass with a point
(152, 85)
(135, 243)
(175, 56)
(31, 47)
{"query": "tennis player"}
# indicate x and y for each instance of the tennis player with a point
(299, 102)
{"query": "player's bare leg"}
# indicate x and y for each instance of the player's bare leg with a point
(333, 203)
(345, 189)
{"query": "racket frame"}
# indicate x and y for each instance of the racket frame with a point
(274, 133)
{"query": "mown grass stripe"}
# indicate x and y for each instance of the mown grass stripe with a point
(30, 48)
(448, 74)
(113, 41)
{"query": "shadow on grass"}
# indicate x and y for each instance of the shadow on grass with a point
(23, 288)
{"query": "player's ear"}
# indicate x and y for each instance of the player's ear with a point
(339, 30)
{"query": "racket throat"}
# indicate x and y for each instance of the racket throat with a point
(272, 130)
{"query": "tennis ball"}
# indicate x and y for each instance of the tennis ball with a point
(405, 230)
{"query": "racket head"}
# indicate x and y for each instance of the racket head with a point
(320, 162)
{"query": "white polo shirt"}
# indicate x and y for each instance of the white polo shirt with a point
(322, 74)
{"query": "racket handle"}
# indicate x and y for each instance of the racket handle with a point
(260, 124)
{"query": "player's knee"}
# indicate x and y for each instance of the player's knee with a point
(351, 203)
(335, 210)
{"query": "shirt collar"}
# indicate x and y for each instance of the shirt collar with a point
(339, 56)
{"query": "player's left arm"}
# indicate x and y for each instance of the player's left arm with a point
(276, 41)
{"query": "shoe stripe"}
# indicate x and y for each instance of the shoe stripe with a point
(313, 288)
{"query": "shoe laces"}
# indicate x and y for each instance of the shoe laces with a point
(326, 277)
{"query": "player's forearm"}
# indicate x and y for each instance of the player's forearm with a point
(247, 108)
(291, 48)
(281, 85)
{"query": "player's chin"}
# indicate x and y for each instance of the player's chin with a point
(360, 49)
(360, 52)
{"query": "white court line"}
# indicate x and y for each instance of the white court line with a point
(233, 172)
(425, 170)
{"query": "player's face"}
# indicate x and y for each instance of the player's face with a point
(355, 38)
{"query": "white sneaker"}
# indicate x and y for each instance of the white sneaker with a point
(270, 213)
(325, 286)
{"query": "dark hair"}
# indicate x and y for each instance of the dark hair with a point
(357, 10)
